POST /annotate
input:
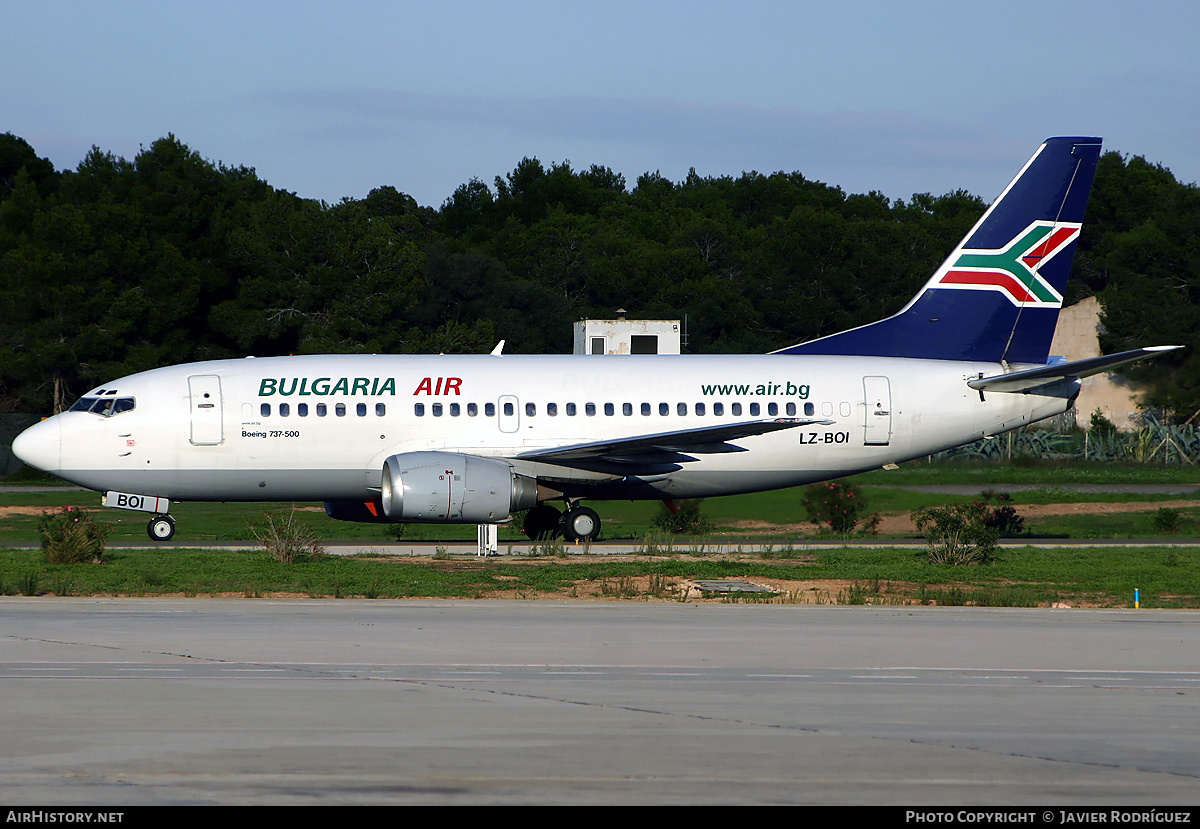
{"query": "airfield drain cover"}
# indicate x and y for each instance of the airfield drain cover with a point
(730, 586)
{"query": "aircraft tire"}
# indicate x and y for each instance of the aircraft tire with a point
(541, 522)
(161, 528)
(580, 524)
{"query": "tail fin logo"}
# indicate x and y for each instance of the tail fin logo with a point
(1014, 269)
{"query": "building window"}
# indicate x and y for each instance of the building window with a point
(643, 344)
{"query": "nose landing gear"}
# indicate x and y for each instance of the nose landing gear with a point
(161, 528)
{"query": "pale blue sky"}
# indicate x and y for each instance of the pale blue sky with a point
(334, 99)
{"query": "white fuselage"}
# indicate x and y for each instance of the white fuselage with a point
(321, 427)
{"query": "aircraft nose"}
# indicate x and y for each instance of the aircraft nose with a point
(40, 445)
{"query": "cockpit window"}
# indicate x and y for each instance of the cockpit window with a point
(105, 406)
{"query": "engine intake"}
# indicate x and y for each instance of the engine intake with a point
(452, 488)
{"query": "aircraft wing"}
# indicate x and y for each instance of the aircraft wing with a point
(663, 447)
(1032, 378)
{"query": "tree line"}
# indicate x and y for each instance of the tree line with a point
(123, 265)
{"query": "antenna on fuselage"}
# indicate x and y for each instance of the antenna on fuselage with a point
(499, 349)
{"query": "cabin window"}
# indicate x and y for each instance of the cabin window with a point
(552, 409)
(380, 409)
(340, 410)
(681, 409)
(419, 409)
(718, 409)
(609, 410)
(472, 410)
(645, 410)
(322, 410)
(589, 409)
(735, 409)
(530, 409)
(810, 409)
(489, 409)
(508, 410)
(790, 409)
(664, 409)
(284, 410)
(772, 409)
(436, 409)
(570, 410)
(455, 410)
(302, 409)
(265, 410)
(361, 409)
(845, 409)
(699, 409)
(754, 410)
(627, 409)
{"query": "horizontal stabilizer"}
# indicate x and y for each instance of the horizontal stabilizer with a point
(1032, 378)
(665, 447)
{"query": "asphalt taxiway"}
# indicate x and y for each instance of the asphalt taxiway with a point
(213, 701)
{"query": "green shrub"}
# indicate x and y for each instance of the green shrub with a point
(957, 534)
(837, 504)
(1004, 519)
(686, 519)
(286, 538)
(1168, 520)
(70, 535)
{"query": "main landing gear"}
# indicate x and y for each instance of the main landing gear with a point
(578, 523)
(161, 528)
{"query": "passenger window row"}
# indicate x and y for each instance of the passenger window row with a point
(773, 409)
(788, 409)
(320, 409)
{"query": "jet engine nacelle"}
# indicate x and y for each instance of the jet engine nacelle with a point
(447, 487)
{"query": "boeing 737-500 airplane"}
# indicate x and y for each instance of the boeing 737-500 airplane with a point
(474, 439)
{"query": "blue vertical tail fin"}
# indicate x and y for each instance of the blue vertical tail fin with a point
(997, 296)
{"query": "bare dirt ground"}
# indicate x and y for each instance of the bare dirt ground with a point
(902, 523)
